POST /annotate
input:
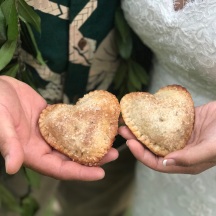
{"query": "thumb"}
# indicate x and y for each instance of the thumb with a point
(192, 155)
(10, 147)
(13, 156)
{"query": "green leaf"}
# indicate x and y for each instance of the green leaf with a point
(25, 37)
(10, 13)
(124, 47)
(27, 77)
(29, 206)
(122, 91)
(3, 34)
(133, 79)
(140, 72)
(11, 71)
(121, 25)
(28, 15)
(33, 41)
(32, 177)
(123, 35)
(9, 200)
(131, 87)
(120, 75)
(7, 52)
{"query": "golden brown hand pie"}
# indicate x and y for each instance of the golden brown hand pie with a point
(85, 131)
(163, 122)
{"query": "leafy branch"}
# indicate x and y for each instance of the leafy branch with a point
(130, 75)
(17, 21)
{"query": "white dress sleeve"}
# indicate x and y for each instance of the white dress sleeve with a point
(184, 44)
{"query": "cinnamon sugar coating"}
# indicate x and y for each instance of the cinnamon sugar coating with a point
(85, 131)
(163, 122)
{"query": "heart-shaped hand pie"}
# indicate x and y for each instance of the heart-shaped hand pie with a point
(163, 122)
(85, 131)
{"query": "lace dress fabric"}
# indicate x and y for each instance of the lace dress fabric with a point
(184, 44)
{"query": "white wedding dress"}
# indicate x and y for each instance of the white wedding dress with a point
(184, 44)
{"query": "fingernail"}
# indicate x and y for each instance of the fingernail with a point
(169, 162)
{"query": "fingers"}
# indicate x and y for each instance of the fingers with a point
(125, 132)
(10, 146)
(161, 164)
(66, 169)
(54, 164)
(110, 156)
(144, 155)
(193, 155)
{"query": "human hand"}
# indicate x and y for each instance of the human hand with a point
(22, 144)
(198, 155)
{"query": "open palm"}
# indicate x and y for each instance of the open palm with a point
(198, 155)
(21, 142)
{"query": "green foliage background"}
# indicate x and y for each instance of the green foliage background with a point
(17, 19)
(130, 75)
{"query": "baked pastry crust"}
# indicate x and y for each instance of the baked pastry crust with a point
(85, 131)
(163, 122)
